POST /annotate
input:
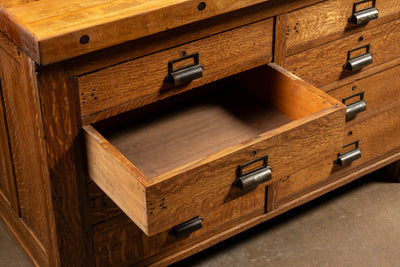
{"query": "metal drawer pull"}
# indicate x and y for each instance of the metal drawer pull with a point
(187, 227)
(365, 15)
(184, 74)
(346, 158)
(358, 62)
(253, 178)
(356, 107)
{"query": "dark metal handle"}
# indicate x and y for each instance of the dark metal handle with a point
(185, 74)
(365, 15)
(253, 178)
(346, 158)
(187, 227)
(356, 107)
(358, 62)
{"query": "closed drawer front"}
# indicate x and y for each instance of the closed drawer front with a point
(331, 19)
(119, 242)
(376, 91)
(177, 164)
(376, 136)
(304, 180)
(326, 63)
(145, 80)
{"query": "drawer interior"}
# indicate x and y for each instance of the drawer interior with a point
(176, 136)
(173, 137)
(165, 167)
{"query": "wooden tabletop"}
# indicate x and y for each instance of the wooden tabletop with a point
(54, 30)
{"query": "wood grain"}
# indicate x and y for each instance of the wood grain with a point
(132, 80)
(207, 182)
(7, 178)
(379, 90)
(324, 64)
(64, 155)
(120, 229)
(178, 36)
(117, 177)
(317, 23)
(372, 133)
(300, 182)
(119, 242)
(21, 106)
(193, 130)
(50, 30)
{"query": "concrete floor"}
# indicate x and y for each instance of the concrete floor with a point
(357, 225)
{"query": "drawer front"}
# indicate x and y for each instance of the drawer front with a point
(119, 242)
(325, 63)
(376, 135)
(375, 139)
(157, 203)
(331, 18)
(377, 90)
(143, 80)
(304, 180)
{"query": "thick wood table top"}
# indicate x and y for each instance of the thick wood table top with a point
(53, 30)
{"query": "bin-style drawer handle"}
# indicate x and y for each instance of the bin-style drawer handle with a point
(253, 178)
(184, 74)
(346, 158)
(365, 15)
(187, 227)
(358, 62)
(356, 107)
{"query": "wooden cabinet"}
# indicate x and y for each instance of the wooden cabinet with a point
(137, 134)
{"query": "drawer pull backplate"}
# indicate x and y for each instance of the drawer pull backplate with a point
(358, 62)
(346, 158)
(356, 107)
(365, 15)
(184, 74)
(253, 178)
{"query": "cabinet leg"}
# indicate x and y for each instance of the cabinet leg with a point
(393, 171)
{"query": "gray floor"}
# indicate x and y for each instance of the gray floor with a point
(358, 225)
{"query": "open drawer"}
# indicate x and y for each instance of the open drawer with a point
(179, 163)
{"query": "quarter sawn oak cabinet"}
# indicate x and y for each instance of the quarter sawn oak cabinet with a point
(138, 133)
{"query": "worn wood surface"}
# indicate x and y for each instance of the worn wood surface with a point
(66, 165)
(328, 20)
(21, 105)
(178, 36)
(372, 133)
(324, 64)
(119, 230)
(119, 242)
(117, 177)
(360, 75)
(131, 81)
(379, 90)
(298, 183)
(7, 179)
(317, 113)
(51, 30)
(193, 130)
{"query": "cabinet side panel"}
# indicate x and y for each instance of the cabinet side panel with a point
(24, 136)
(7, 180)
(31, 225)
